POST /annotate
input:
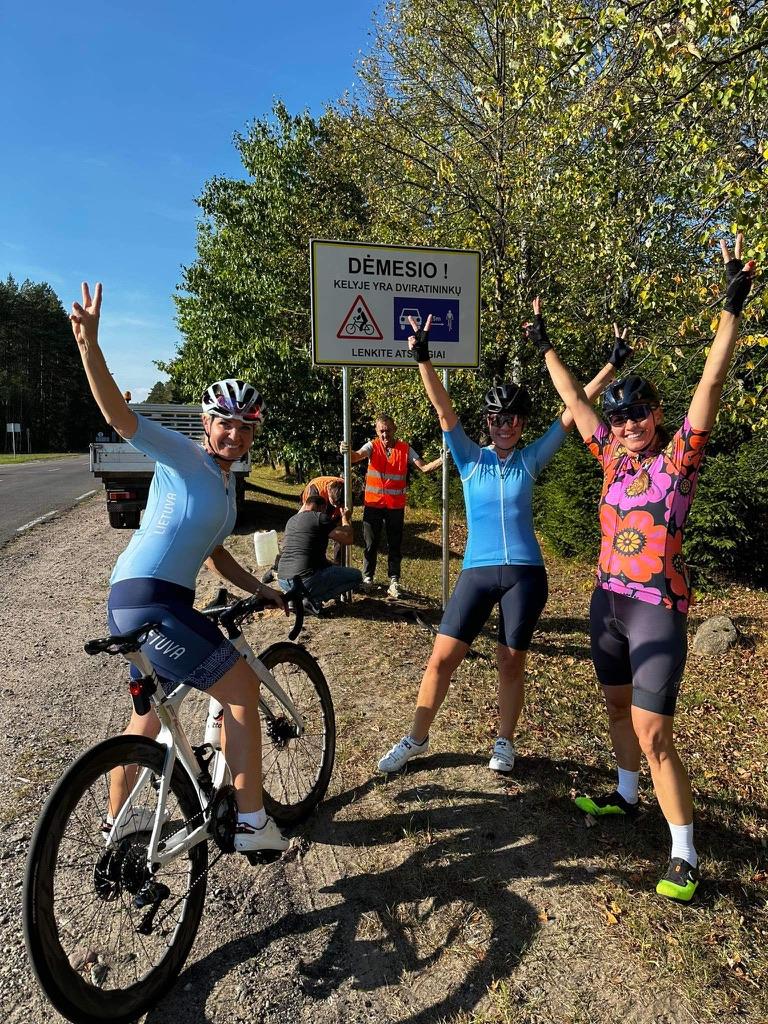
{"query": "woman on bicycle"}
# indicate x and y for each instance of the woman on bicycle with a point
(502, 560)
(190, 510)
(639, 609)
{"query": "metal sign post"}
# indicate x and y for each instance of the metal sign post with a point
(347, 433)
(446, 514)
(13, 429)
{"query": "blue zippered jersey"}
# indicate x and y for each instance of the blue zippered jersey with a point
(498, 497)
(190, 510)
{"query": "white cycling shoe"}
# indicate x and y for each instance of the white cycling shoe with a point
(137, 819)
(267, 839)
(503, 756)
(401, 753)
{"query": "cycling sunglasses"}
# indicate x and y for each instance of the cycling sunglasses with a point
(504, 419)
(636, 413)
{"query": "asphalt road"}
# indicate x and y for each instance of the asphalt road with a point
(30, 491)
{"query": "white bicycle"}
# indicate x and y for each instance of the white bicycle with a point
(111, 910)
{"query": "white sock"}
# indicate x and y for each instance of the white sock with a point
(682, 843)
(628, 785)
(256, 819)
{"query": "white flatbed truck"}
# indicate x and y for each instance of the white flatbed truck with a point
(127, 473)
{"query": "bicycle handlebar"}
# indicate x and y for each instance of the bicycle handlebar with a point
(231, 616)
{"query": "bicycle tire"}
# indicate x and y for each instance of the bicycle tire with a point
(296, 771)
(69, 848)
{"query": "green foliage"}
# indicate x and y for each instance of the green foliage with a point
(425, 491)
(593, 153)
(243, 305)
(162, 392)
(42, 383)
(566, 502)
(727, 533)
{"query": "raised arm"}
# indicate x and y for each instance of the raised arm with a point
(577, 399)
(427, 467)
(706, 399)
(85, 327)
(436, 393)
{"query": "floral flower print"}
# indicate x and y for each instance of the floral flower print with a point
(633, 545)
(644, 489)
(644, 506)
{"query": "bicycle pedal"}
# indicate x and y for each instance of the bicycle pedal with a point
(259, 857)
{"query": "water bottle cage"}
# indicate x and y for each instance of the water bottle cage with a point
(141, 690)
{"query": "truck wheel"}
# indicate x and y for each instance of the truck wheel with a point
(123, 519)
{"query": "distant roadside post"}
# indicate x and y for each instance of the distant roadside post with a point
(13, 429)
(362, 298)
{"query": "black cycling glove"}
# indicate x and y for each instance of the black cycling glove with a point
(622, 350)
(738, 286)
(420, 350)
(537, 332)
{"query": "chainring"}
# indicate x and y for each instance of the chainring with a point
(223, 816)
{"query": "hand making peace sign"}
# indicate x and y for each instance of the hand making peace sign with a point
(85, 317)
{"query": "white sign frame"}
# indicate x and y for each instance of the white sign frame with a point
(352, 293)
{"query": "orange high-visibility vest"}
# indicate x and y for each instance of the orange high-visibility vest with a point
(386, 482)
(321, 484)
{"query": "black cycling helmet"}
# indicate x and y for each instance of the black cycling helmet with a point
(508, 398)
(621, 394)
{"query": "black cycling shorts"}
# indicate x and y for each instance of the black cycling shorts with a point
(188, 647)
(520, 592)
(641, 644)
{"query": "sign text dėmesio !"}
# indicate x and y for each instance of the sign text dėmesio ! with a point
(363, 297)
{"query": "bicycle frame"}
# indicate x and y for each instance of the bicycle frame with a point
(177, 746)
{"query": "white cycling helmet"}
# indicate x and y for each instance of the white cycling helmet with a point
(234, 400)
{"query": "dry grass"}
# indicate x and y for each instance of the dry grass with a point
(493, 902)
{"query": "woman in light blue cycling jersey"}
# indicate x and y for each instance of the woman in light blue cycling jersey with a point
(502, 561)
(190, 510)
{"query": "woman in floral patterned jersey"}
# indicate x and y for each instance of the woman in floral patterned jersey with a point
(638, 610)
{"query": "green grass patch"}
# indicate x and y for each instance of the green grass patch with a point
(36, 457)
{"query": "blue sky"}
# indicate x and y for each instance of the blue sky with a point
(113, 120)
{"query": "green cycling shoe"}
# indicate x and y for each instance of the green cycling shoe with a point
(680, 882)
(612, 803)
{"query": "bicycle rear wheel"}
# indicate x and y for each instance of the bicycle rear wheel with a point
(86, 937)
(296, 770)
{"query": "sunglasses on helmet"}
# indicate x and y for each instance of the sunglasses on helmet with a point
(636, 413)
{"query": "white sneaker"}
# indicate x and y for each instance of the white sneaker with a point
(396, 758)
(393, 590)
(138, 819)
(254, 840)
(367, 583)
(503, 756)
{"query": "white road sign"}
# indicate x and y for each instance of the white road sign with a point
(363, 296)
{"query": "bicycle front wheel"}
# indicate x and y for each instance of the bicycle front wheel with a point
(96, 947)
(296, 769)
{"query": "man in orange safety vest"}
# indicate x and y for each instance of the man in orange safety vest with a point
(386, 488)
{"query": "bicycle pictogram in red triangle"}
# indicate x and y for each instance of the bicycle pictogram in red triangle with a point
(359, 323)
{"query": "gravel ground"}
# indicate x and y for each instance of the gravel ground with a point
(438, 895)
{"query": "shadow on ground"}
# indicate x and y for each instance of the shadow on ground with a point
(472, 859)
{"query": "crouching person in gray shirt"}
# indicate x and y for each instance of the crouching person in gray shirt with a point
(303, 554)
